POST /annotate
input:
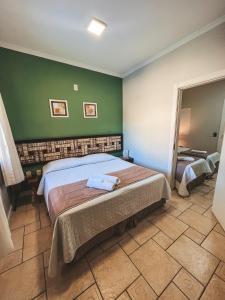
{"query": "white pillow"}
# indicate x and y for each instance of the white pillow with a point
(71, 162)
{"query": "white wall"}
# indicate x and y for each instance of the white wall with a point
(148, 96)
(4, 194)
(219, 196)
(206, 104)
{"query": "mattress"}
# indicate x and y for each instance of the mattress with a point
(77, 225)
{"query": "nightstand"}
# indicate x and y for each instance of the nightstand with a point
(129, 159)
(33, 183)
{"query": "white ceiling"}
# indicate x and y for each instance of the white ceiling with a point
(137, 29)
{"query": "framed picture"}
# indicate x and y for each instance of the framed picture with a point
(58, 108)
(90, 110)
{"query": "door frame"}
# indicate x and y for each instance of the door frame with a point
(220, 129)
(176, 109)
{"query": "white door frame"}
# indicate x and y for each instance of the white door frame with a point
(177, 102)
(221, 130)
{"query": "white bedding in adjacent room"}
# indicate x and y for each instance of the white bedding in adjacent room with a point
(191, 172)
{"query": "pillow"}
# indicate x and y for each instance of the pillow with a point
(71, 162)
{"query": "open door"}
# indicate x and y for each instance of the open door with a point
(221, 131)
(176, 134)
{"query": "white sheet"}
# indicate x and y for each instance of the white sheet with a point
(212, 159)
(84, 169)
(191, 172)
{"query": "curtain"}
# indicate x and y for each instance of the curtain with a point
(6, 245)
(12, 174)
(9, 160)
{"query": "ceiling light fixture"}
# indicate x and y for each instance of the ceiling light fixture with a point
(96, 26)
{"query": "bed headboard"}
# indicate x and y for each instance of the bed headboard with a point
(38, 151)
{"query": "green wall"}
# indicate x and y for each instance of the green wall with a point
(28, 82)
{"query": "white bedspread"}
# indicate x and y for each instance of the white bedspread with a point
(79, 224)
(212, 159)
(191, 172)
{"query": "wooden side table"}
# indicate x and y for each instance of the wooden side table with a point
(129, 159)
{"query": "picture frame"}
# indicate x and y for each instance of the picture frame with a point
(58, 108)
(90, 110)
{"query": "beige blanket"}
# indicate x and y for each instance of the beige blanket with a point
(76, 222)
(67, 196)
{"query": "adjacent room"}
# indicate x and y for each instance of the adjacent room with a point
(112, 150)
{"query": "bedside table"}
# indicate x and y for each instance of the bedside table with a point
(129, 159)
(33, 183)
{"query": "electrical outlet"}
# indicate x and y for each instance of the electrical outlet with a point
(75, 87)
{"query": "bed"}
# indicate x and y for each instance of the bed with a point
(91, 211)
(211, 158)
(82, 217)
(190, 172)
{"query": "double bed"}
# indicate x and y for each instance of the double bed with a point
(82, 216)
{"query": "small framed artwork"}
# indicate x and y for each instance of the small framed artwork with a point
(90, 110)
(58, 108)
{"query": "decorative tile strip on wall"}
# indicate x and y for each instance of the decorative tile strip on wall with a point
(33, 152)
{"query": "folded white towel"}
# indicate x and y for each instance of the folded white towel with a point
(113, 179)
(186, 158)
(102, 184)
(198, 151)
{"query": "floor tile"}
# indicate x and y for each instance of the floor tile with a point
(203, 188)
(220, 271)
(163, 240)
(199, 222)
(140, 290)
(112, 241)
(194, 235)
(148, 258)
(74, 279)
(124, 296)
(25, 281)
(173, 293)
(92, 293)
(37, 242)
(46, 258)
(129, 245)
(200, 263)
(143, 232)
(174, 211)
(219, 228)
(45, 220)
(208, 213)
(188, 284)
(113, 266)
(94, 253)
(215, 290)
(11, 260)
(17, 238)
(210, 195)
(198, 209)
(180, 203)
(41, 297)
(32, 227)
(170, 225)
(215, 243)
(23, 218)
(200, 200)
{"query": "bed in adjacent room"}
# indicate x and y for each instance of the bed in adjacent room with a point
(211, 158)
(190, 172)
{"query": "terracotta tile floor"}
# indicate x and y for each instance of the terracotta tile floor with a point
(177, 252)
